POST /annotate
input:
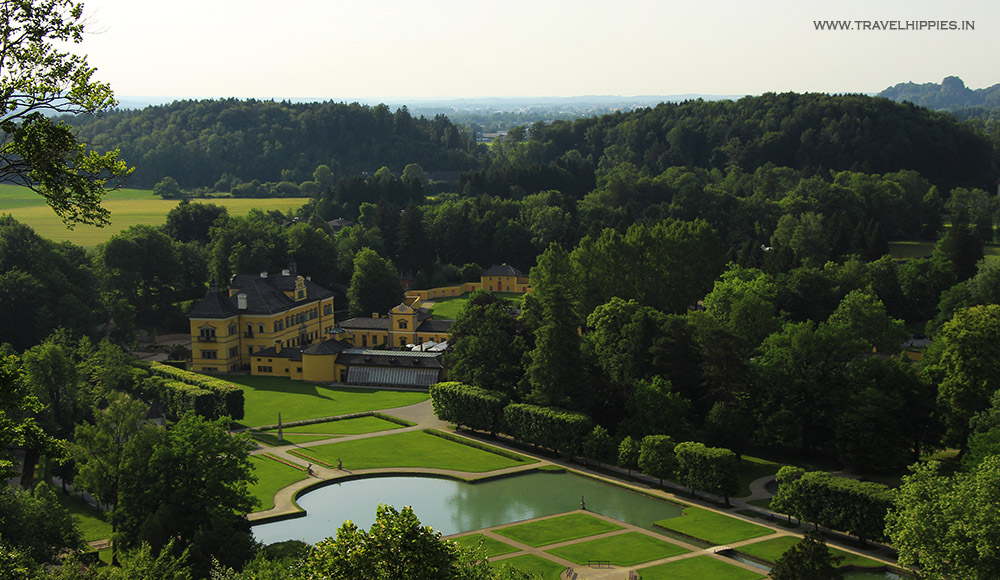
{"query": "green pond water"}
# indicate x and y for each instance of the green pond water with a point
(451, 507)
(454, 506)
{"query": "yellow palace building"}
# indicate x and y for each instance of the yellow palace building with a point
(283, 325)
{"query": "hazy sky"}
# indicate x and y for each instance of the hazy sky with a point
(395, 49)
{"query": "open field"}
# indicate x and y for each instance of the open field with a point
(410, 449)
(128, 207)
(713, 527)
(699, 568)
(265, 397)
(449, 308)
(271, 476)
(558, 529)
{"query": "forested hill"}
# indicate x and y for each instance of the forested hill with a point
(951, 94)
(216, 144)
(813, 132)
(200, 142)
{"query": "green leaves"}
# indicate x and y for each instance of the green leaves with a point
(37, 78)
(949, 527)
(395, 547)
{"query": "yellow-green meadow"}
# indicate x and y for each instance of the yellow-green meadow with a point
(128, 207)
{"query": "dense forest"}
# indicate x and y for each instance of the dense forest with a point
(209, 143)
(218, 145)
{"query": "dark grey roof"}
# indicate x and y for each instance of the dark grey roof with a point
(339, 224)
(505, 270)
(292, 354)
(435, 326)
(391, 358)
(328, 347)
(215, 305)
(264, 296)
(365, 323)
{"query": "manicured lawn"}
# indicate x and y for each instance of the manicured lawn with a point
(771, 550)
(354, 426)
(533, 564)
(493, 546)
(699, 568)
(89, 521)
(268, 438)
(910, 249)
(753, 468)
(410, 449)
(265, 397)
(128, 207)
(271, 476)
(557, 529)
(449, 308)
(713, 527)
(626, 549)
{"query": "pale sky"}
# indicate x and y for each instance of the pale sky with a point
(397, 49)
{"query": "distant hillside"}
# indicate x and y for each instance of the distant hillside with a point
(810, 132)
(951, 94)
(200, 143)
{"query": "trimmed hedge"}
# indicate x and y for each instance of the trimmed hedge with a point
(180, 398)
(229, 396)
(473, 407)
(551, 427)
(855, 507)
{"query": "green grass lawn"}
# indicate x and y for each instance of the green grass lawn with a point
(128, 207)
(771, 550)
(449, 308)
(89, 521)
(493, 546)
(265, 397)
(753, 468)
(557, 529)
(288, 438)
(271, 476)
(353, 426)
(713, 527)
(698, 568)
(626, 549)
(910, 249)
(410, 449)
(533, 564)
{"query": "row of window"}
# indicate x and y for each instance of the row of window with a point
(402, 340)
(270, 369)
(207, 333)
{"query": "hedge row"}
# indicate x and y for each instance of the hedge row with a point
(229, 395)
(484, 410)
(466, 405)
(179, 398)
(550, 427)
(856, 507)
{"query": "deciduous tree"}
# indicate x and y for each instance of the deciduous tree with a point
(39, 76)
(374, 285)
